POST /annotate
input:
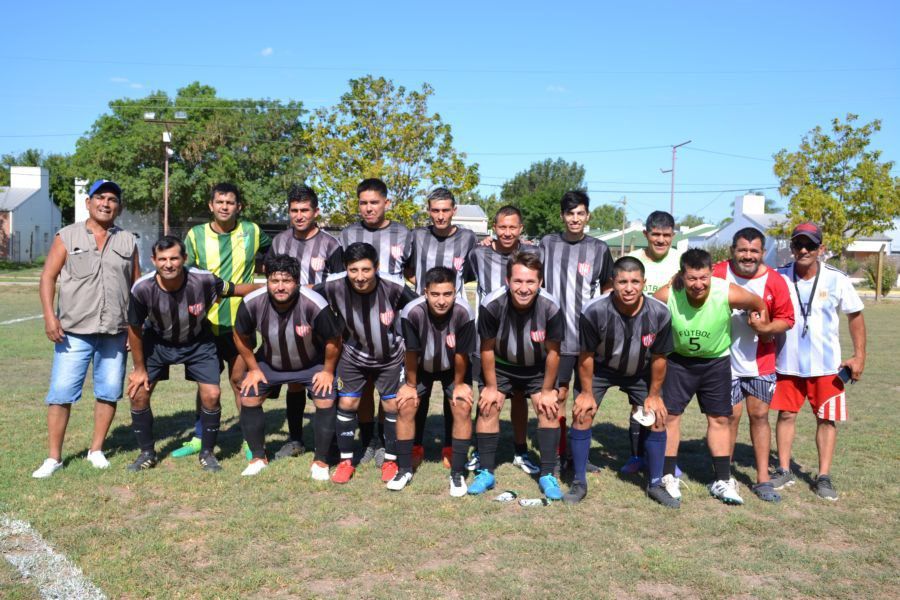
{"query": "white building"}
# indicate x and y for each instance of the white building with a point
(28, 217)
(471, 216)
(749, 211)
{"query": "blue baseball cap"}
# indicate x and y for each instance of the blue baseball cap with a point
(102, 185)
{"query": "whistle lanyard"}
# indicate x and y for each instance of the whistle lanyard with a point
(806, 310)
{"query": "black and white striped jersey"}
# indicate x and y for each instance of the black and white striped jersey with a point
(488, 267)
(428, 250)
(318, 256)
(520, 335)
(177, 317)
(437, 340)
(391, 243)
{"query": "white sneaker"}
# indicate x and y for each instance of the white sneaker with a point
(319, 471)
(399, 481)
(726, 491)
(48, 468)
(256, 465)
(524, 462)
(97, 459)
(672, 485)
(474, 463)
(458, 487)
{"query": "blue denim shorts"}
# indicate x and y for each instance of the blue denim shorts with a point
(73, 356)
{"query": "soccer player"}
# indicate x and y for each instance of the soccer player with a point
(300, 346)
(319, 254)
(439, 332)
(521, 327)
(753, 351)
(625, 337)
(368, 304)
(391, 242)
(701, 308)
(227, 247)
(576, 268)
(446, 245)
(486, 262)
(808, 363)
(168, 326)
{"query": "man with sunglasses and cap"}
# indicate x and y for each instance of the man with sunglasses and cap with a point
(808, 364)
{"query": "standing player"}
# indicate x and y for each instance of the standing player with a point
(318, 254)
(701, 308)
(226, 247)
(439, 332)
(391, 242)
(660, 262)
(809, 363)
(368, 304)
(576, 268)
(520, 327)
(168, 326)
(300, 346)
(441, 244)
(753, 351)
(625, 337)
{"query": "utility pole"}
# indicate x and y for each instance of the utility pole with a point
(180, 118)
(624, 203)
(672, 171)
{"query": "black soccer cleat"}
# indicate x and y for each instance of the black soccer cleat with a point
(209, 462)
(145, 460)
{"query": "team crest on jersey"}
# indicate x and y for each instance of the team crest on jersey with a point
(397, 251)
(317, 263)
(458, 262)
(451, 340)
(196, 309)
(387, 317)
(303, 330)
(584, 269)
(538, 336)
(647, 340)
(340, 384)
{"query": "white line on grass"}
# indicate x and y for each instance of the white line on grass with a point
(52, 573)
(11, 321)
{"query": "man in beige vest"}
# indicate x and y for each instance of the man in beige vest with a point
(94, 264)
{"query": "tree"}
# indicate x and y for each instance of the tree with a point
(691, 221)
(256, 144)
(835, 181)
(62, 188)
(381, 130)
(607, 217)
(538, 190)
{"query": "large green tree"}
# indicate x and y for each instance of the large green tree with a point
(834, 179)
(258, 145)
(378, 129)
(606, 217)
(59, 167)
(537, 191)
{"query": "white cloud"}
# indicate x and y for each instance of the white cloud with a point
(557, 89)
(269, 51)
(119, 79)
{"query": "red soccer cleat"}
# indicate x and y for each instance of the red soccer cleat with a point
(388, 469)
(343, 472)
(447, 454)
(418, 455)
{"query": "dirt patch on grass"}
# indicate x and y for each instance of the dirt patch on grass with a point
(647, 589)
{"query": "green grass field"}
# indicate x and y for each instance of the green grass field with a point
(177, 532)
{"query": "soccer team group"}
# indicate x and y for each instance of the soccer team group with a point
(338, 321)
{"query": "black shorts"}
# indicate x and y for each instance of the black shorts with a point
(351, 379)
(636, 387)
(278, 378)
(568, 367)
(511, 378)
(225, 349)
(708, 378)
(425, 381)
(201, 363)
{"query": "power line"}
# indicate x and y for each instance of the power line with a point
(543, 153)
(696, 149)
(677, 192)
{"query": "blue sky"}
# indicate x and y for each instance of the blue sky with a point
(518, 82)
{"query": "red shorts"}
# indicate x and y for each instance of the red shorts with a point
(825, 393)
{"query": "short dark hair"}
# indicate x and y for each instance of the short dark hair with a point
(169, 241)
(749, 234)
(226, 188)
(507, 211)
(695, 258)
(573, 199)
(529, 260)
(372, 184)
(659, 219)
(302, 193)
(360, 251)
(627, 264)
(440, 193)
(282, 263)
(439, 274)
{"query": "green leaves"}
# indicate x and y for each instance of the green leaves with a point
(538, 190)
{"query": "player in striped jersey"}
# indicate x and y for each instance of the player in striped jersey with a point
(318, 255)
(300, 347)
(625, 337)
(368, 304)
(576, 268)
(660, 262)
(167, 318)
(441, 244)
(521, 328)
(753, 351)
(391, 242)
(439, 333)
(226, 246)
(808, 363)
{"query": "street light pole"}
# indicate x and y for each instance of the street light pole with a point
(672, 171)
(180, 117)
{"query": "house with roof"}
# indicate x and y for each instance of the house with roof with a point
(749, 211)
(28, 216)
(632, 237)
(471, 216)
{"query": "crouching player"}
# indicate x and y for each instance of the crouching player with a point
(439, 332)
(521, 327)
(625, 337)
(300, 345)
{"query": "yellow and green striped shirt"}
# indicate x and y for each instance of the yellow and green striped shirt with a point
(230, 256)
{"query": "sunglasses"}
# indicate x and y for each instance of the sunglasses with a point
(804, 244)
